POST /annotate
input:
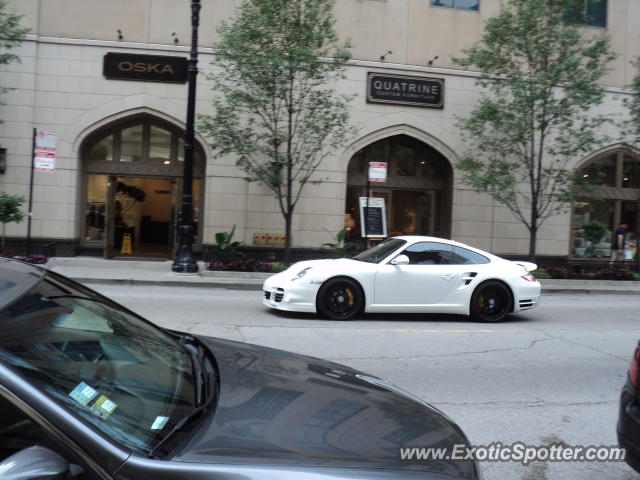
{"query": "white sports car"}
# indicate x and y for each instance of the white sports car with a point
(411, 274)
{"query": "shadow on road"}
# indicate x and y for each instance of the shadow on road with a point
(391, 317)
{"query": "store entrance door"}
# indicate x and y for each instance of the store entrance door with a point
(142, 220)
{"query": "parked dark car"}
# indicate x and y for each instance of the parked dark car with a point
(629, 416)
(89, 389)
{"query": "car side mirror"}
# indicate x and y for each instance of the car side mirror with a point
(34, 463)
(400, 260)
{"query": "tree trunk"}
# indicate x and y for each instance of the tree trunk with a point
(533, 232)
(287, 240)
(4, 226)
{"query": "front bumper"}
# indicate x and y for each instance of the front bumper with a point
(294, 296)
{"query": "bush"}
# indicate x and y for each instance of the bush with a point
(541, 273)
(559, 272)
(226, 250)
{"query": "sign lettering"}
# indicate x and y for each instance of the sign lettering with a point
(153, 68)
(405, 90)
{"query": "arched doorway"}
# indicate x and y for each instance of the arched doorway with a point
(417, 192)
(132, 182)
(615, 201)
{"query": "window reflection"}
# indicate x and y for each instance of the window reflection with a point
(602, 171)
(103, 150)
(631, 172)
(160, 145)
(95, 207)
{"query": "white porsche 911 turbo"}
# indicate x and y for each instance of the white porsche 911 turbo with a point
(411, 274)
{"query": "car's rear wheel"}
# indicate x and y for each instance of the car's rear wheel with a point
(340, 299)
(491, 302)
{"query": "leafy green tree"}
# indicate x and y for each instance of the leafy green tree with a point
(11, 35)
(9, 212)
(539, 79)
(276, 111)
(631, 130)
(633, 104)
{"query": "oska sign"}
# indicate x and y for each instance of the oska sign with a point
(152, 68)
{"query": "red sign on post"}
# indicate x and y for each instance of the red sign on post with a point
(45, 152)
(378, 171)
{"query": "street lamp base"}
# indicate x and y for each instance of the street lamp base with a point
(189, 266)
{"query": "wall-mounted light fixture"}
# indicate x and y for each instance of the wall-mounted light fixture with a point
(430, 62)
(120, 35)
(382, 57)
(3, 160)
(175, 38)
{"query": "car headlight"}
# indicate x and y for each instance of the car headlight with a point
(301, 273)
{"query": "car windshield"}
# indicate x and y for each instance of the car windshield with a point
(381, 251)
(120, 373)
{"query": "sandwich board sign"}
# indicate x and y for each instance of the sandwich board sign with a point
(375, 217)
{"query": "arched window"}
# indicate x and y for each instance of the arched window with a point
(132, 187)
(417, 192)
(614, 202)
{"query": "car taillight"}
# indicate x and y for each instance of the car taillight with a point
(633, 368)
(529, 278)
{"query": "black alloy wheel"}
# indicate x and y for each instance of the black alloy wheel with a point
(340, 299)
(491, 302)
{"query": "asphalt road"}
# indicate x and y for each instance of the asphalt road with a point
(549, 375)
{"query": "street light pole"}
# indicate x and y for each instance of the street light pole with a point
(184, 261)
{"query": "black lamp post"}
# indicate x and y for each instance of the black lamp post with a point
(184, 261)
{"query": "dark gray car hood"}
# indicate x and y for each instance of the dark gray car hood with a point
(280, 408)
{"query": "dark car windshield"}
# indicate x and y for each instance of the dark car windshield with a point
(128, 378)
(381, 251)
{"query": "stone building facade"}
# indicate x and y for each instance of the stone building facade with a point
(117, 137)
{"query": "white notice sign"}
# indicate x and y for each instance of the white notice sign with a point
(45, 153)
(377, 171)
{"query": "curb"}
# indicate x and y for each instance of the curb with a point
(169, 283)
(256, 285)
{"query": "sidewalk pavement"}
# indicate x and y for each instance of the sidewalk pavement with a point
(139, 272)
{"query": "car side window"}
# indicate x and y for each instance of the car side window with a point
(428, 253)
(462, 256)
(18, 431)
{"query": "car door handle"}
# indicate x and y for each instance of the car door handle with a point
(448, 276)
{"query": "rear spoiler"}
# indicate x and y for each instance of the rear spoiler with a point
(528, 266)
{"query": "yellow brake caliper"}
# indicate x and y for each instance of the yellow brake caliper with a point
(350, 295)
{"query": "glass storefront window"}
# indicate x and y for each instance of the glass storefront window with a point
(603, 170)
(461, 4)
(95, 213)
(585, 212)
(631, 172)
(629, 215)
(160, 145)
(103, 150)
(131, 144)
(356, 165)
(405, 161)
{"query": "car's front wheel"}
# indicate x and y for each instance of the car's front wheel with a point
(491, 302)
(340, 299)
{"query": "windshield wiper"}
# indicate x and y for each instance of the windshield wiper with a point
(197, 358)
(181, 424)
(203, 379)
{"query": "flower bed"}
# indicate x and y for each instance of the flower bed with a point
(246, 265)
(35, 259)
(606, 273)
